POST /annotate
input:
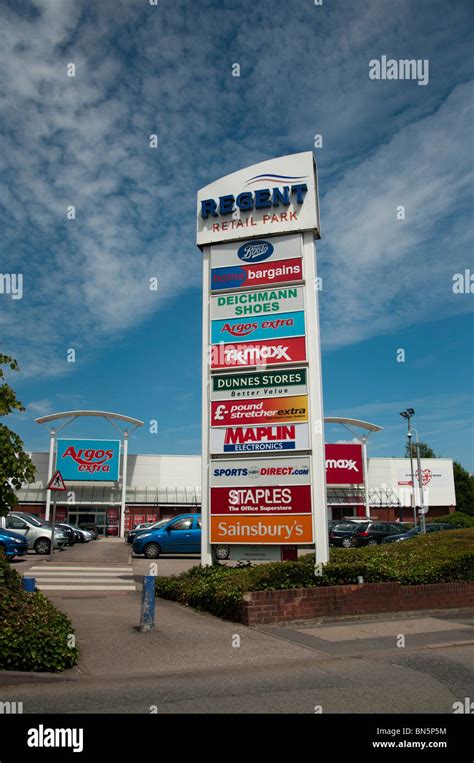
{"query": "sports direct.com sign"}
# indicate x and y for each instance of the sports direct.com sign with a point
(88, 460)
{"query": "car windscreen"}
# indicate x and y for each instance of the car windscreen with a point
(344, 526)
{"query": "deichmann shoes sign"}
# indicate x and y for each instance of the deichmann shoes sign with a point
(88, 460)
(290, 381)
(277, 410)
(257, 303)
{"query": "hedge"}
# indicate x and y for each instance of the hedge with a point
(34, 635)
(438, 557)
(456, 519)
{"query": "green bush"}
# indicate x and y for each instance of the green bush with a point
(456, 519)
(438, 557)
(34, 635)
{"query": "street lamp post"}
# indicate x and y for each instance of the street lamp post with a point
(407, 415)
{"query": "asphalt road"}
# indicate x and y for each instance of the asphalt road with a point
(191, 663)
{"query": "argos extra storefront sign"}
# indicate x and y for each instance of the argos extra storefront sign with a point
(88, 460)
(277, 196)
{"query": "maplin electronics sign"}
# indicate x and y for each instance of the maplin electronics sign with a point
(263, 478)
(278, 196)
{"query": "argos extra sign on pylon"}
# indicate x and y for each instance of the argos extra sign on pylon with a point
(257, 228)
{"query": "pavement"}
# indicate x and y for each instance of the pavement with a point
(195, 662)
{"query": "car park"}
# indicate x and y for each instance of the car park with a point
(431, 528)
(36, 532)
(12, 543)
(363, 533)
(180, 535)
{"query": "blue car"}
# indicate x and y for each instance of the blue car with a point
(180, 535)
(12, 544)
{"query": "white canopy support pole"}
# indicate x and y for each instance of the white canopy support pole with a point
(366, 475)
(124, 483)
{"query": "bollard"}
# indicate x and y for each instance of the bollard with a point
(147, 615)
(29, 584)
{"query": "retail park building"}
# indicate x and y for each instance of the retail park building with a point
(160, 486)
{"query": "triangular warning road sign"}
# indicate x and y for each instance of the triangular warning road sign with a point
(56, 482)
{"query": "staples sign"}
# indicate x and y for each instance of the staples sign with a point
(88, 460)
(344, 464)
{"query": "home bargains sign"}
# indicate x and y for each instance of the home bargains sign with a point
(291, 381)
(344, 464)
(256, 263)
(88, 460)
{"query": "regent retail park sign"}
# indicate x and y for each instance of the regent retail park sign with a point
(263, 476)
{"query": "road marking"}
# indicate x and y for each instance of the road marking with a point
(77, 578)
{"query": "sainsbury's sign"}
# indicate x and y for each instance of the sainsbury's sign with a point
(88, 460)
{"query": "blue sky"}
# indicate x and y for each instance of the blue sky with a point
(167, 70)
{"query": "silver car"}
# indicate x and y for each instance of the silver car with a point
(37, 534)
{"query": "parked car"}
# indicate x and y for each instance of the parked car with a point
(13, 544)
(82, 536)
(70, 534)
(368, 533)
(91, 528)
(36, 532)
(340, 534)
(432, 528)
(140, 528)
(180, 535)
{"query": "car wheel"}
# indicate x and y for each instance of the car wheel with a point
(346, 542)
(42, 546)
(152, 551)
(371, 542)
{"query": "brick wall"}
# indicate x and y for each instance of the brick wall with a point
(261, 607)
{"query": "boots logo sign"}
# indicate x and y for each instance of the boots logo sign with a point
(255, 251)
(83, 460)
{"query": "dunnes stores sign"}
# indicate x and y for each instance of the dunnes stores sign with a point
(88, 460)
(259, 384)
(272, 197)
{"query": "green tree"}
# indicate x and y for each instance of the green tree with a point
(464, 486)
(425, 451)
(16, 466)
